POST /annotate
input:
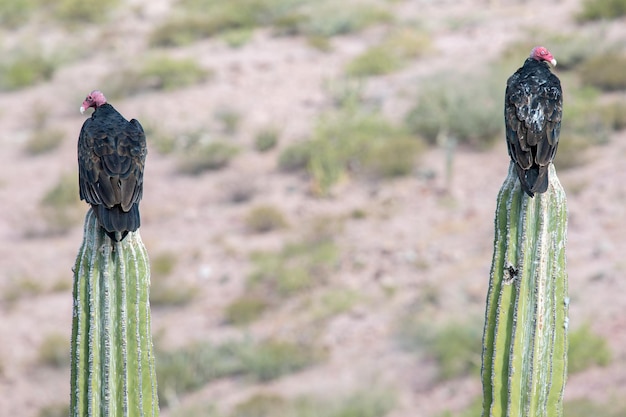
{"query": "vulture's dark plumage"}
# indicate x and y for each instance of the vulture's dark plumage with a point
(532, 114)
(111, 158)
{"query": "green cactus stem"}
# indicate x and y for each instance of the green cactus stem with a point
(112, 361)
(525, 337)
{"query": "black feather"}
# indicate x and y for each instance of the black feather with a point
(533, 107)
(111, 159)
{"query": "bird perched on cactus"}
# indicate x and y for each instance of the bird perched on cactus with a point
(532, 113)
(111, 159)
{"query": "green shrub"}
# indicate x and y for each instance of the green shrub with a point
(55, 350)
(157, 72)
(330, 19)
(266, 139)
(601, 9)
(245, 309)
(15, 13)
(163, 264)
(25, 68)
(376, 60)
(392, 54)
(456, 347)
(55, 410)
(230, 119)
(72, 12)
(263, 219)
(167, 293)
(583, 407)
(209, 157)
(189, 368)
(22, 287)
(272, 359)
(586, 349)
(349, 142)
(42, 141)
(372, 402)
(295, 157)
(605, 71)
(465, 107)
(60, 206)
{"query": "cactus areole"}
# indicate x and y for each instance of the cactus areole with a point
(112, 360)
(525, 336)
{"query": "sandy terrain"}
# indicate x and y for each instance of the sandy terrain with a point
(415, 236)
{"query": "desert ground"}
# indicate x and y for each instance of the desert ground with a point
(412, 248)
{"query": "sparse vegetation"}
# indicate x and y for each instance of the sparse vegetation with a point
(266, 139)
(60, 206)
(157, 72)
(55, 350)
(167, 293)
(583, 407)
(601, 9)
(586, 349)
(295, 157)
(206, 157)
(393, 53)
(261, 219)
(605, 71)
(455, 346)
(24, 68)
(372, 402)
(163, 264)
(465, 107)
(15, 13)
(20, 288)
(229, 118)
(245, 309)
(55, 410)
(189, 368)
(44, 140)
(75, 12)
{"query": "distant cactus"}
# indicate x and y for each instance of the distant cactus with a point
(525, 336)
(112, 361)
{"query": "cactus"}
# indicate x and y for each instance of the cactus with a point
(525, 337)
(112, 361)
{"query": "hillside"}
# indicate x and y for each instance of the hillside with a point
(319, 196)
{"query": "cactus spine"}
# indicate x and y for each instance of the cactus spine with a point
(525, 337)
(112, 361)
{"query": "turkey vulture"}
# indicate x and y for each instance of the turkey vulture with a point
(111, 158)
(533, 105)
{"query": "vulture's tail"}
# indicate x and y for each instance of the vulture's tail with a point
(533, 180)
(115, 219)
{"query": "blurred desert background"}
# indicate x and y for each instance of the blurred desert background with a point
(319, 195)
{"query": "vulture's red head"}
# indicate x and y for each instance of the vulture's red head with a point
(540, 53)
(95, 99)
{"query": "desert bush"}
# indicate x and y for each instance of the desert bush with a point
(266, 139)
(295, 157)
(163, 264)
(330, 19)
(60, 206)
(230, 119)
(54, 350)
(455, 346)
(75, 12)
(43, 140)
(398, 48)
(377, 60)
(348, 141)
(372, 402)
(24, 68)
(189, 368)
(206, 157)
(22, 287)
(586, 349)
(583, 407)
(298, 266)
(462, 106)
(14, 13)
(245, 309)
(167, 293)
(158, 72)
(55, 410)
(392, 158)
(605, 71)
(601, 9)
(265, 218)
